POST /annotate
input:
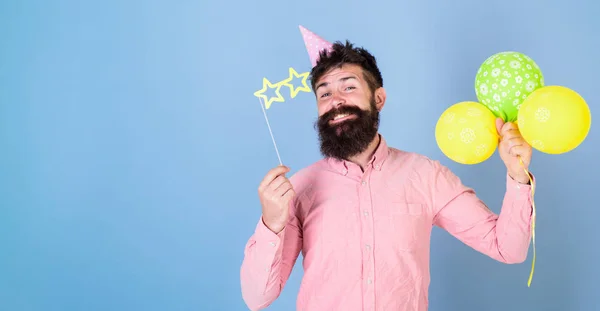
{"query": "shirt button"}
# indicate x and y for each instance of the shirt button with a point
(377, 166)
(368, 247)
(366, 213)
(272, 243)
(364, 183)
(369, 281)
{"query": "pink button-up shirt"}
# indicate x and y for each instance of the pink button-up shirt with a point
(365, 236)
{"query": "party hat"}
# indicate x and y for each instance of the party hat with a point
(314, 44)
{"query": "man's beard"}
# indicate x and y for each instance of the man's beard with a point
(351, 137)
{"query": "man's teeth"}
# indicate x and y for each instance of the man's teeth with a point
(339, 116)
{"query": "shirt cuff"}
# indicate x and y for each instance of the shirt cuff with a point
(513, 185)
(267, 238)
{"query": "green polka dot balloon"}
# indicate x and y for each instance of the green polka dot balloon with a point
(504, 80)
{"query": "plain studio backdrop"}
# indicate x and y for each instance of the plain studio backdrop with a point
(132, 145)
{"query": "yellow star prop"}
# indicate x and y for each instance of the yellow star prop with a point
(293, 73)
(268, 101)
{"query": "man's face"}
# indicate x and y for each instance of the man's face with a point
(348, 114)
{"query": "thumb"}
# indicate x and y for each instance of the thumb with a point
(499, 124)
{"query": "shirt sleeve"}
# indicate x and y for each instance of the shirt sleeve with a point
(268, 262)
(457, 209)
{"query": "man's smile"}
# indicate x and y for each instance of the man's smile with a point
(341, 117)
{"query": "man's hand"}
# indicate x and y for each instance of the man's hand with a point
(512, 149)
(275, 193)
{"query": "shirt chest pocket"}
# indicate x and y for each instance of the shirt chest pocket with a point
(408, 225)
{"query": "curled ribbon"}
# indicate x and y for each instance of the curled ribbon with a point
(532, 222)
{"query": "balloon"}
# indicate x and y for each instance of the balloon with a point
(554, 119)
(466, 133)
(504, 80)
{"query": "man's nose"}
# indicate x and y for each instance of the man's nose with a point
(337, 100)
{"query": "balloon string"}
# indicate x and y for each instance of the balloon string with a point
(532, 221)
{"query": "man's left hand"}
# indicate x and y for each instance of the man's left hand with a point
(512, 149)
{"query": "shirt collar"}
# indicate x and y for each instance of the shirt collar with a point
(377, 160)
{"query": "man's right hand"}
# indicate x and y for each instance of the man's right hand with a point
(275, 193)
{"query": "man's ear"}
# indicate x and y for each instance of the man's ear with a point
(380, 97)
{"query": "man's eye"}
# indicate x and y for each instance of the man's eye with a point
(350, 88)
(325, 94)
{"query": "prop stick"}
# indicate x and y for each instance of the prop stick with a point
(314, 44)
(270, 131)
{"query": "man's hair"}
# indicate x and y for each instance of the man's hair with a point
(342, 54)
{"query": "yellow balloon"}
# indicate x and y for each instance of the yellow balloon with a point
(554, 119)
(466, 133)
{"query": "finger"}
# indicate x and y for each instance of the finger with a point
(281, 189)
(279, 194)
(510, 134)
(271, 191)
(271, 175)
(513, 150)
(277, 182)
(289, 194)
(513, 141)
(508, 127)
(518, 151)
(499, 125)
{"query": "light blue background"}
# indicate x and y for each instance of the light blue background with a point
(132, 145)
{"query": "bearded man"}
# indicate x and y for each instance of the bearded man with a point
(363, 214)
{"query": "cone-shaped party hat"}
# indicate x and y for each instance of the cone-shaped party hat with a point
(314, 44)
